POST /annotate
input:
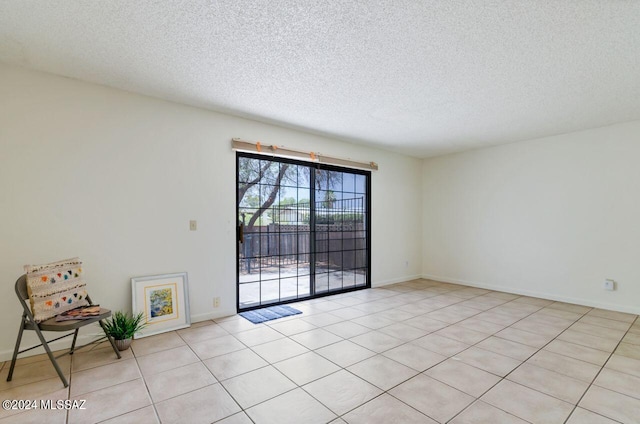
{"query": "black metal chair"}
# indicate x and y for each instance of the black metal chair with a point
(28, 323)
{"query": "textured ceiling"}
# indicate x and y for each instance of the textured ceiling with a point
(418, 77)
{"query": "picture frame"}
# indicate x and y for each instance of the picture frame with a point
(164, 302)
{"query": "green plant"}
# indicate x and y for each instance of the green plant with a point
(123, 326)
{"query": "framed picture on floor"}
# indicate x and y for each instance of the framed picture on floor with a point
(164, 302)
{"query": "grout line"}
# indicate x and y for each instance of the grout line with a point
(600, 371)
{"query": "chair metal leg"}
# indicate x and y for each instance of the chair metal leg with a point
(113, 345)
(17, 349)
(73, 343)
(51, 357)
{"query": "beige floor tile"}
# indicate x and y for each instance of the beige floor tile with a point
(316, 339)
(342, 391)
(38, 391)
(202, 406)
(258, 336)
(397, 315)
(166, 360)
(536, 301)
(373, 321)
(527, 404)
(424, 323)
(582, 416)
(152, 344)
(202, 333)
(583, 353)
(524, 337)
(550, 311)
(431, 397)
(497, 318)
(234, 363)
(349, 313)
(618, 316)
(508, 348)
(632, 338)
(611, 404)
(293, 407)
(382, 372)
(595, 330)
(104, 376)
(626, 384)
(97, 357)
(565, 365)
(629, 350)
(146, 415)
(386, 409)
(403, 332)
(322, 320)
(441, 345)
(306, 368)
(477, 324)
(111, 402)
(588, 340)
(325, 304)
(452, 314)
(347, 329)
(624, 364)
(483, 413)
(345, 353)
(36, 371)
(33, 390)
(377, 341)
(549, 382)
(462, 334)
(483, 303)
(239, 418)
(279, 350)
(236, 324)
(289, 328)
(37, 416)
(604, 322)
(23, 360)
(257, 386)
(175, 382)
(502, 295)
(545, 330)
(218, 346)
(517, 309)
(414, 357)
(488, 361)
(570, 307)
(468, 379)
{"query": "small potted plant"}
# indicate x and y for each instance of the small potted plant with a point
(122, 326)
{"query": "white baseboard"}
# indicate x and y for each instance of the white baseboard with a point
(395, 280)
(535, 293)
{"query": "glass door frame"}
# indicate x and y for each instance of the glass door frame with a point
(313, 166)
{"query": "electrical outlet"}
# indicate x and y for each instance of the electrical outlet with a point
(193, 225)
(609, 285)
(216, 302)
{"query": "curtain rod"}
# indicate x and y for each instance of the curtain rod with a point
(258, 147)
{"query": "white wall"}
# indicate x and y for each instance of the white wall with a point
(115, 177)
(551, 217)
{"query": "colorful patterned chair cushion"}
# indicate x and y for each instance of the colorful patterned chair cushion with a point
(55, 288)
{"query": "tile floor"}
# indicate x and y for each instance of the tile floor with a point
(416, 352)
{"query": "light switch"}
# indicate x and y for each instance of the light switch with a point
(193, 225)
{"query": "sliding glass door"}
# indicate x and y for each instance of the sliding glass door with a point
(303, 230)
